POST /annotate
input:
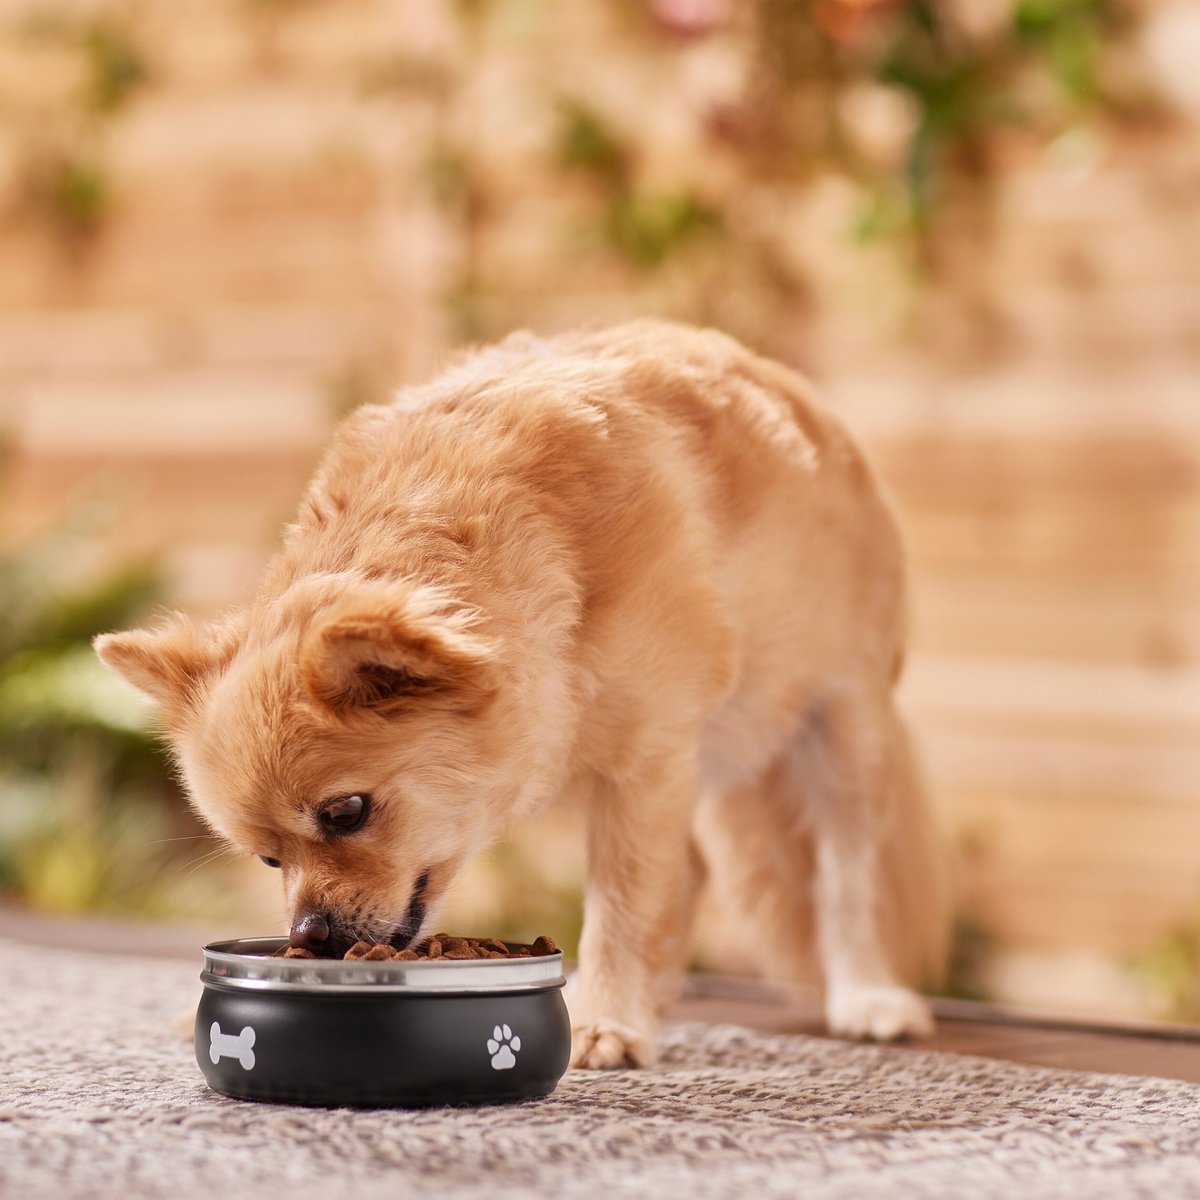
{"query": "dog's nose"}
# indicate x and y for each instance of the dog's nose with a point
(310, 932)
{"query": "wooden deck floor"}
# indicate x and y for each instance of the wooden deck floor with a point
(1171, 1052)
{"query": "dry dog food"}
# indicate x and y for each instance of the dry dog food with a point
(441, 945)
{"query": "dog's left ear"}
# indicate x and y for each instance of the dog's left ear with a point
(171, 663)
(393, 648)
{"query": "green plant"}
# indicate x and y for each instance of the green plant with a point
(1172, 967)
(92, 817)
(972, 945)
(105, 44)
(63, 179)
(718, 244)
(1035, 71)
(645, 228)
(71, 190)
(117, 66)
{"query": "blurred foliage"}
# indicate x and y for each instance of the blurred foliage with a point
(913, 103)
(972, 945)
(643, 227)
(916, 105)
(116, 65)
(71, 190)
(1172, 967)
(111, 62)
(1033, 66)
(1037, 70)
(100, 64)
(91, 817)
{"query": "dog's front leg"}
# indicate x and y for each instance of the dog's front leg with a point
(636, 913)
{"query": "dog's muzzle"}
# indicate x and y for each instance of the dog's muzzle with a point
(321, 933)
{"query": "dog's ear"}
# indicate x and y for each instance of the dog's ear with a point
(392, 648)
(168, 664)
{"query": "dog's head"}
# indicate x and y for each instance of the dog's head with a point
(356, 735)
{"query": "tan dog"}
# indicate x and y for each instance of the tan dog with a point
(640, 565)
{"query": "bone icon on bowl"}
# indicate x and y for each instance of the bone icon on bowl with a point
(229, 1045)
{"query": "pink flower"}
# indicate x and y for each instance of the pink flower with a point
(689, 18)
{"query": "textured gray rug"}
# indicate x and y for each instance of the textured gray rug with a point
(98, 1100)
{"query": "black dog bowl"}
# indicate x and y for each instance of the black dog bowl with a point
(404, 1034)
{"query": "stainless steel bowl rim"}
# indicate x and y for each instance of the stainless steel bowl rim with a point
(247, 964)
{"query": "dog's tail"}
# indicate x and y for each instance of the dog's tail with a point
(759, 848)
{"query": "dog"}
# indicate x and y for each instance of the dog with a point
(642, 567)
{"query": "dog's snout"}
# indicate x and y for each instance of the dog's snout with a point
(310, 931)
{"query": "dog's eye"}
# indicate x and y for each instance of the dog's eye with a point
(344, 814)
(270, 862)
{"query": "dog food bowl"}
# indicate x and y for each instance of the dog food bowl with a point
(379, 1034)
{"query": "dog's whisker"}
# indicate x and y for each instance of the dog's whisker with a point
(212, 856)
(195, 862)
(191, 837)
(466, 889)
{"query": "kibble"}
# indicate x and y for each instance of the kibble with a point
(440, 945)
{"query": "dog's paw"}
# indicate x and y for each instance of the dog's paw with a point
(881, 1012)
(606, 1046)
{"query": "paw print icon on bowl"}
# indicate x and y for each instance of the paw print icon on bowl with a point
(503, 1046)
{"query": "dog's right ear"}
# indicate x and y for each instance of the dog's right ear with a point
(391, 648)
(168, 664)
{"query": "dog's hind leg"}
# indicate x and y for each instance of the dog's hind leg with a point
(878, 918)
(676, 939)
(832, 860)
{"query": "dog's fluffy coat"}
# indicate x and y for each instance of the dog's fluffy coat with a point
(640, 565)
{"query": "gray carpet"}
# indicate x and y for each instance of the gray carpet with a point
(98, 1100)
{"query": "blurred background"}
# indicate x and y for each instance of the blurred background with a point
(224, 223)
